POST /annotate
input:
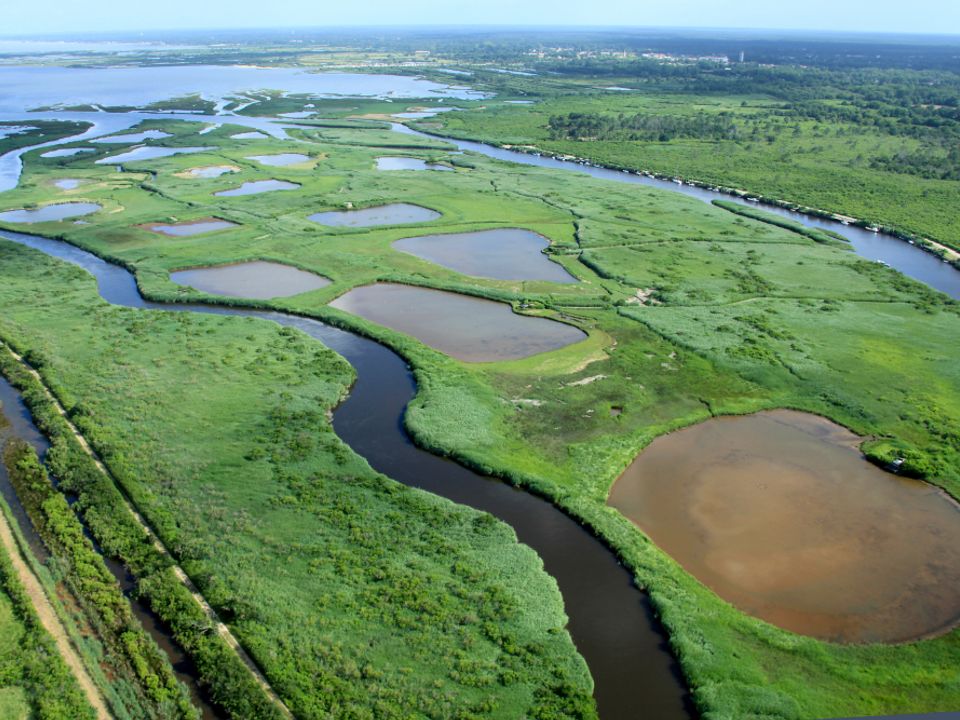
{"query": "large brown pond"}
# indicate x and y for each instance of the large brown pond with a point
(464, 327)
(258, 279)
(780, 514)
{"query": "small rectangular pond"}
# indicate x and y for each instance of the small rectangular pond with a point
(397, 162)
(468, 328)
(213, 171)
(49, 213)
(392, 214)
(148, 153)
(259, 279)
(188, 228)
(256, 187)
(280, 159)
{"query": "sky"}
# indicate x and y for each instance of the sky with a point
(67, 16)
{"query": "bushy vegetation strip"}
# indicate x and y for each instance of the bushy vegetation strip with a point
(105, 513)
(36, 666)
(820, 236)
(128, 649)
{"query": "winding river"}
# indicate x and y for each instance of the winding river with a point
(611, 620)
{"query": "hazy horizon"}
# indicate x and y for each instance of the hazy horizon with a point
(60, 17)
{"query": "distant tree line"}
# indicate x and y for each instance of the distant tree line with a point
(643, 126)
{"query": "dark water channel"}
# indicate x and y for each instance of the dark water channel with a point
(611, 621)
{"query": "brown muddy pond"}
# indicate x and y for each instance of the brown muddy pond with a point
(189, 227)
(49, 213)
(467, 328)
(255, 187)
(259, 279)
(393, 214)
(504, 254)
(780, 514)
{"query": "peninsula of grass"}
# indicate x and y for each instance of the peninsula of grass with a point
(691, 311)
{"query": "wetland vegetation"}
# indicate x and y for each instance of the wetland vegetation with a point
(674, 311)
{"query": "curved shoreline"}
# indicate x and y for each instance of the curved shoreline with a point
(611, 620)
(529, 155)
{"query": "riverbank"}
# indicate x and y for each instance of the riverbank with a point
(484, 545)
(942, 251)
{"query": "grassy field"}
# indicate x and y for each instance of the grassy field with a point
(691, 311)
(824, 165)
(218, 429)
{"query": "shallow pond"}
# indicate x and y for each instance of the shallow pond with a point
(259, 279)
(67, 183)
(252, 135)
(148, 153)
(49, 213)
(190, 227)
(467, 328)
(408, 163)
(780, 514)
(504, 254)
(66, 152)
(280, 159)
(131, 138)
(213, 171)
(255, 187)
(392, 214)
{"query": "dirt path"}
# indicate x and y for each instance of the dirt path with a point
(222, 630)
(50, 621)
